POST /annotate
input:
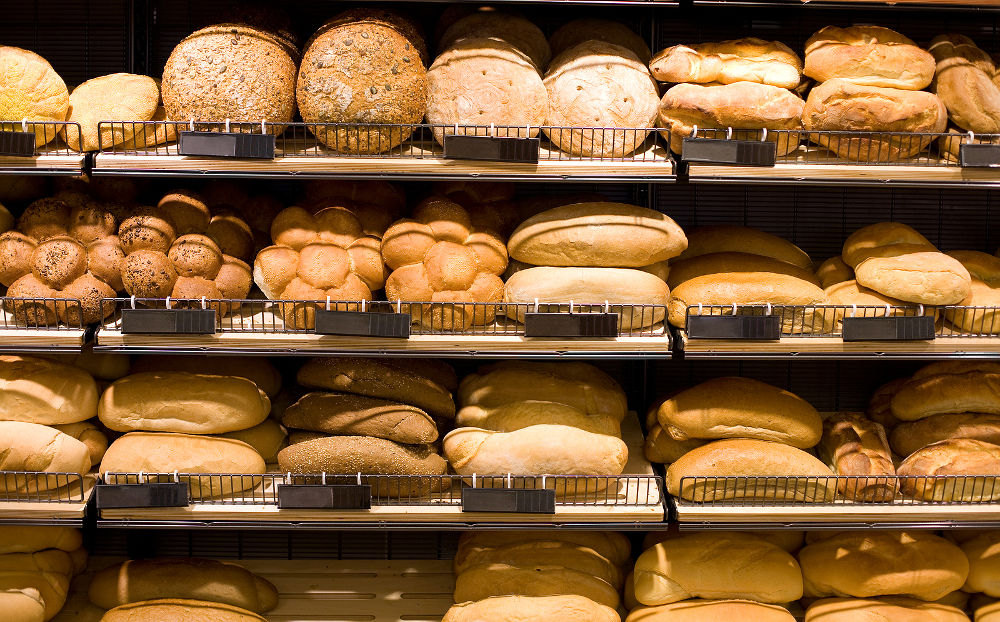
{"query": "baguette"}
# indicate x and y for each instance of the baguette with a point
(857, 447)
(355, 415)
(534, 579)
(560, 608)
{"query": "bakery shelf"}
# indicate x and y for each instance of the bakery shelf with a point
(42, 325)
(55, 157)
(298, 154)
(257, 327)
(37, 498)
(816, 332)
(319, 590)
(630, 501)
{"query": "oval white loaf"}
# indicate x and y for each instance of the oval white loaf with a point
(517, 415)
(894, 608)
(179, 610)
(727, 62)
(698, 610)
(34, 447)
(183, 402)
(599, 234)
(735, 239)
(43, 391)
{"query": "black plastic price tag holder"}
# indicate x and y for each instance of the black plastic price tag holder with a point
(168, 321)
(979, 156)
(19, 144)
(324, 496)
(509, 501)
(733, 152)
(363, 324)
(150, 495)
(495, 148)
(227, 145)
(901, 328)
(570, 324)
(741, 327)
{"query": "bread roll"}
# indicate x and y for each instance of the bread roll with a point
(959, 458)
(856, 447)
(518, 415)
(267, 438)
(896, 609)
(712, 263)
(728, 239)
(752, 288)
(736, 407)
(704, 565)
(842, 106)
(662, 448)
(610, 235)
(754, 467)
(34, 447)
(876, 563)
(869, 56)
(591, 29)
(596, 84)
(698, 610)
(355, 415)
(179, 610)
(910, 436)
(609, 544)
(740, 60)
(159, 452)
(256, 369)
(562, 608)
(182, 402)
(37, 390)
(914, 274)
(565, 554)
(833, 271)
(975, 391)
(185, 577)
(118, 96)
(31, 90)
(741, 106)
(963, 79)
(24, 539)
(22, 605)
(380, 378)
(534, 579)
(639, 298)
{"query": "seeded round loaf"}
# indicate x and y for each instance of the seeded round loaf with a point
(115, 97)
(31, 89)
(231, 71)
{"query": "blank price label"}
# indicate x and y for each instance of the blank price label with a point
(168, 321)
(150, 495)
(494, 148)
(732, 152)
(505, 500)
(363, 324)
(570, 324)
(324, 496)
(18, 144)
(739, 327)
(979, 156)
(227, 145)
(902, 328)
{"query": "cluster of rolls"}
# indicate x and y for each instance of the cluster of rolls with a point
(540, 419)
(37, 565)
(534, 575)
(373, 417)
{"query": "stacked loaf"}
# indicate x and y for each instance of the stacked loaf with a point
(742, 84)
(371, 417)
(539, 419)
(182, 588)
(729, 267)
(965, 80)
(870, 80)
(36, 567)
(738, 427)
(597, 253)
(534, 575)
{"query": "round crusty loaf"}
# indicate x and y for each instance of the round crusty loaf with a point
(843, 106)
(735, 407)
(267, 438)
(861, 244)
(185, 578)
(881, 563)
(596, 84)
(740, 60)
(231, 71)
(43, 391)
(698, 610)
(609, 235)
(114, 97)
(834, 270)
(894, 608)
(256, 369)
(517, 415)
(583, 29)
(710, 565)
(22, 605)
(366, 71)
(182, 402)
(554, 288)
(30, 89)
(762, 462)
(956, 457)
(914, 274)
(963, 80)
(356, 415)
(869, 56)
(611, 545)
(973, 391)
(487, 581)
(741, 106)
(563, 608)
(512, 29)
(34, 447)
(910, 436)
(700, 265)
(983, 552)
(729, 238)
(179, 610)
(482, 82)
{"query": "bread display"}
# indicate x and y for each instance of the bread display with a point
(868, 56)
(34, 447)
(231, 71)
(583, 29)
(973, 466)
(716, 566)
(30, 89)
(895, 608)
(699, 610)
(875, 563)
(43, 391)
(439, 255)
(963, 79)
(179, 609)
(123, 97)
(596, 84)
(362, 67)
(563, 608)
(857, 448)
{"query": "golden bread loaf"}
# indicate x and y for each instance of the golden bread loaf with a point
(849, 294)
(179, 610)
(833, 271)
(258, 370)
(716, 566)
(562, 608)
(512, 29)
(984, 294)
(881, 563)
(46, 573)
(116, 97)
(357, 415)
(662, 448)
(974, 391)
(988, 613)
(740, 60)
(267, 438)
(38, 390)
(868, 56)
(699, 610)
(894, 608)
(909, 436)
(730, 238)
(864, 242)
(88, 434)
(517, 415)
(22, 605)
(592, 29)
(611, 545)
(787, 540)
(983, 552)
(963, 79)
(31, 90)
(960, 366)
(150, 136)
(969, 467)
(913, 273)
(856, 447)
(555, 552)
(729, 261)
(34, 447)
(540, 578)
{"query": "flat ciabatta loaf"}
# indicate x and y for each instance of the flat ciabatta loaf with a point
(868, 56)
(739, 60)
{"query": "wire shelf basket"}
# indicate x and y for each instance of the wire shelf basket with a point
(53, 138)
(49, 314)
(41, 487)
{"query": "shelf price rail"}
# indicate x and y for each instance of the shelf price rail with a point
(42, 324)
(60, 151)
(44, 498)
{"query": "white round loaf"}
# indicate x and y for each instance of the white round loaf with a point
(43, 391)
